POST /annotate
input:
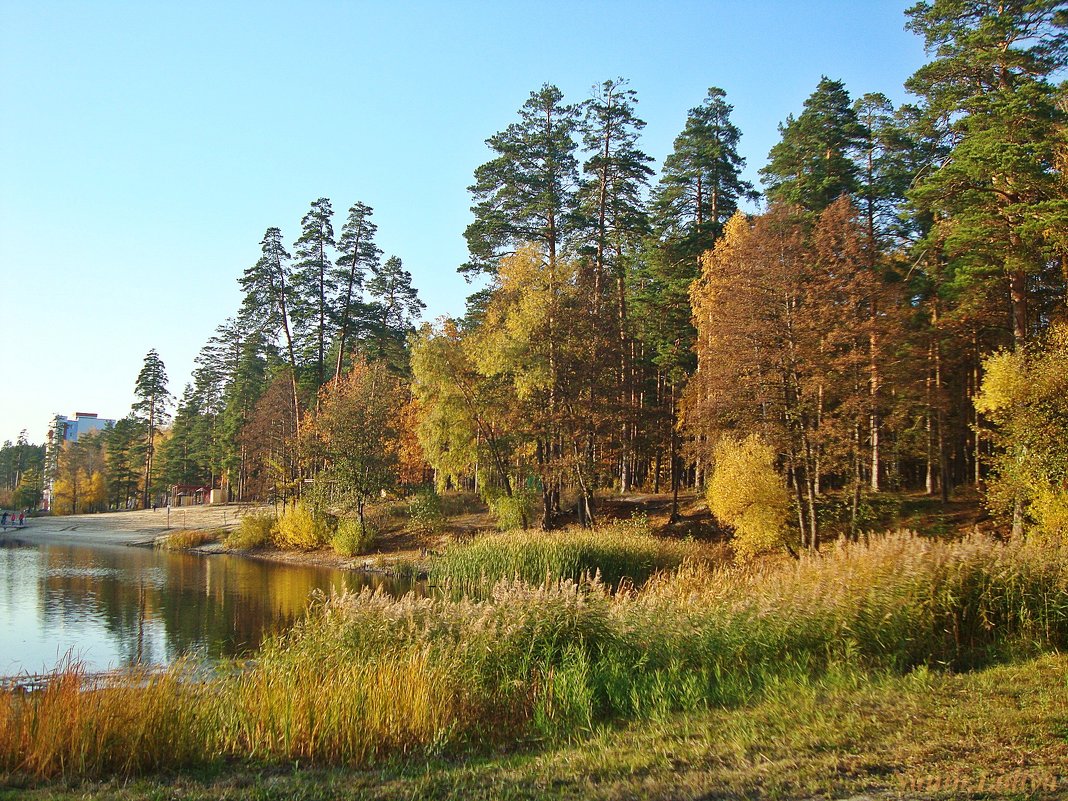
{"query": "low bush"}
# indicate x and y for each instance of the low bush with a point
(353, 537)
(513, 511)
(256, 530)
(425, 512)
(299, 527)
(748, 494)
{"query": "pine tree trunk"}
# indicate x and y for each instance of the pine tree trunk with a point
(1018, 294)
(874, 390)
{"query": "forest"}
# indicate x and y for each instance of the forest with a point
(884, 314)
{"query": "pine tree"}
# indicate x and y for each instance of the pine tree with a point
(526, 194)
(815, 161)
(997, 199)
(267, 302)
(701, 186)
(150, 411)
(616, 176)
(358, 255)
(314, 284)
(187, 453)
(615, 221)
(394, 308)
(121, 453)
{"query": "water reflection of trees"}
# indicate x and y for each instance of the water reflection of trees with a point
(163, 604)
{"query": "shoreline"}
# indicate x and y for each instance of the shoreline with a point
(140, 527)
(145, 528)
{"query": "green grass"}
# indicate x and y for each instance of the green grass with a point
(370, 680)
(623, 551)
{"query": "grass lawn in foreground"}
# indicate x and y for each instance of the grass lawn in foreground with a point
(999, 733)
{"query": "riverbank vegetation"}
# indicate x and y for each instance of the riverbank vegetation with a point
(368, 677)
(882, 738)
(187, 539)
(625, 551)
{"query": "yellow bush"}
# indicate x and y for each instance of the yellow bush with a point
(748, 494)
(257, 530)
(298, 527)
(1049, 508)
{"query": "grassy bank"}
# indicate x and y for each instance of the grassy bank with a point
(370, 678)
(998, 733)
(625, 551)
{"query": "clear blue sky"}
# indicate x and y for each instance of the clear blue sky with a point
(146, 146)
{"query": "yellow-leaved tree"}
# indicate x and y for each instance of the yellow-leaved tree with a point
(1024, 398)
(747, 493)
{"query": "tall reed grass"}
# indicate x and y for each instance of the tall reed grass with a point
(188, 538)
(367, 676)
(620, 551)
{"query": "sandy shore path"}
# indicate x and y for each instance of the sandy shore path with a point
(124, 528)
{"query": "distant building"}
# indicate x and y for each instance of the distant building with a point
(66, 429)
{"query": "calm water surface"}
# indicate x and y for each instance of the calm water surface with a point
(110, 606)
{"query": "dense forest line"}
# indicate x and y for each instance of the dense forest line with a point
(890, 320)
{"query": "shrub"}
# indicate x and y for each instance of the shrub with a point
(257, 530)
(299, 527)
(352, 537)
(425, 512)
(1025, 396)
(513, 511)
(748, 494)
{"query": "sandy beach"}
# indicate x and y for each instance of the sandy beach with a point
(140, 527)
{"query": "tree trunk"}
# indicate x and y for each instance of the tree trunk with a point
(874, 390)
(1018, 294)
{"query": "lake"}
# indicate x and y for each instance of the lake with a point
(113, 606)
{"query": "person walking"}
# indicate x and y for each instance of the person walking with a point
(3, 521)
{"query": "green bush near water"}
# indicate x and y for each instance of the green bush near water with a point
(511, 512)
(425, 512)
(256, 530)
(352, 537)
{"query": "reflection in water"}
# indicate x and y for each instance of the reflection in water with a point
(112, 606)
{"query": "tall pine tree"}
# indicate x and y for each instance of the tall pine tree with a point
(815, 162)
(314, 284)
(150, 410)
(526, 193)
